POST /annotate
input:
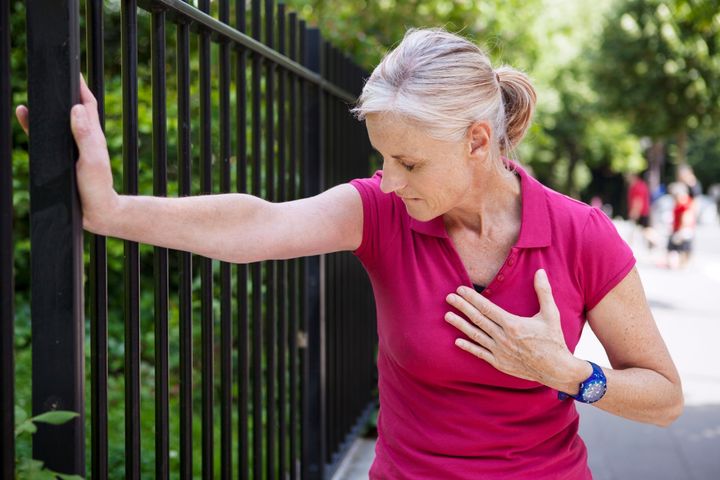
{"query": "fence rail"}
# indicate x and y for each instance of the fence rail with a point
(286, 364)
(7, 361)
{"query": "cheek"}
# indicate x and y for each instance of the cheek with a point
(439, 199)
(448, 193)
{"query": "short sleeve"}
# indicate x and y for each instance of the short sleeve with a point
(378, 211)
(605, 258)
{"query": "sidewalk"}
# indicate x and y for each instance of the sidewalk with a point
(686, 306)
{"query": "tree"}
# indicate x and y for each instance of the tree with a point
(657, 67)
(368, 29)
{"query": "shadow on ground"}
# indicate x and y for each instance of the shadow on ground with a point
(620, 449)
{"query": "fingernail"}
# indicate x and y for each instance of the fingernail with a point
(544, 277)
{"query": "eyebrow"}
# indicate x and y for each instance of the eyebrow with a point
(400, 156)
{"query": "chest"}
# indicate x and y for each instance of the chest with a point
(482, 257)
(410, 296)
(412, 333)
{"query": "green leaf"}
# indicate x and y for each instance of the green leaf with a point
(31, 469)
(20, 415)
(65, 476)
(57, 417)
(25, 427)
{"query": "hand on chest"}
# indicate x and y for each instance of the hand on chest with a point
(413, 332)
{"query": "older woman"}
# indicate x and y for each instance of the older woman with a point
(483, 277)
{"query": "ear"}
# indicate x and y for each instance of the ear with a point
(479, 138)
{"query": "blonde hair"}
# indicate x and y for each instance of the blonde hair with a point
(446, 83)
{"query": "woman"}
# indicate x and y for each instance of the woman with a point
(472, 385)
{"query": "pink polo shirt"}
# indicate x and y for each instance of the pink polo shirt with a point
(445, 414)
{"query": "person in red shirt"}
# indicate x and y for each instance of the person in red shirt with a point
(683, 227)
(639, 209)
(483, 277)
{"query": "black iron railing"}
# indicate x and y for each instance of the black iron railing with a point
(7, 363)
(286, 363)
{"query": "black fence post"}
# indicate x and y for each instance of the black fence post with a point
(55, 232)
(7, 316)
(314, 434)
(97, 278)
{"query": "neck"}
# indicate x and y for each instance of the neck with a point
(494, 199)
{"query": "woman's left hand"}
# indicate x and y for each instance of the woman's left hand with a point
(532, 348)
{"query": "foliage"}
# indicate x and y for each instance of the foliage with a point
(704, 155)
(658, 66)
(31, 469)
(367, 29)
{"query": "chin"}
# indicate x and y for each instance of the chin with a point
(421, 215)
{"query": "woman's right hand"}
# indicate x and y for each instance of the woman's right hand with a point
(94, 175)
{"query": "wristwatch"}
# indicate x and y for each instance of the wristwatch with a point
(592, 389)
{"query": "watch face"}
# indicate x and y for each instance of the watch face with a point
(593, 391)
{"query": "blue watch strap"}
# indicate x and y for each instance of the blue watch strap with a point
(592, 389)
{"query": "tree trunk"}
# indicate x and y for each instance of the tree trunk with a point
(570, 187)
(656, 159)
(682, 147)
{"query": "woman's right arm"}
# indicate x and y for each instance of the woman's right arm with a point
(232, 227)
(241, 228)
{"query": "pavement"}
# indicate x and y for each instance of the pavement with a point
(686, 307)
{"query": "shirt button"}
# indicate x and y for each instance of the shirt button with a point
(487, 291)
(511, 262)
(501, 277)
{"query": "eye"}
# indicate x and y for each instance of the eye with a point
(406, 166)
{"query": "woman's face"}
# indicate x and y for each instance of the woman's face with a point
(431, 176)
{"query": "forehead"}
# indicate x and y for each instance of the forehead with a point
(390, 131)
(383, 126)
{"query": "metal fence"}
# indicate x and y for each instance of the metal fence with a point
(294, 341)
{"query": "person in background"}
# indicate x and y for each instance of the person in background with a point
(714, 193)
(683, 227)
(686, 175)
(639, 208)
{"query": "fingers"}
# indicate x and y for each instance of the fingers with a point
(482, 304)
(548, 308)
(22, 114)
(480, 352)
(85, 121)
(475, 315)
(88, 100)
(474, 333)
(88, 134)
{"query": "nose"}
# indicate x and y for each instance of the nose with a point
(392, 181)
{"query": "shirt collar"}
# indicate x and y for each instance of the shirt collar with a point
(535, 227)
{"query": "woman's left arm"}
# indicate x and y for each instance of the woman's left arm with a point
(643, 384)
